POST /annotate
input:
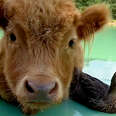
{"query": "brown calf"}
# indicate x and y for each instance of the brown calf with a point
(41, 48)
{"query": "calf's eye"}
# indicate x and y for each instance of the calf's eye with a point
(71, 43)
(12, 37)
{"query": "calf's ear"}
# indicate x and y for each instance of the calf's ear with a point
(3, 16)
(92, 20)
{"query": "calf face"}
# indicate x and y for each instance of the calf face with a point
(42, 47)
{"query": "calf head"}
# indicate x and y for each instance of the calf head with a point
(42, 47)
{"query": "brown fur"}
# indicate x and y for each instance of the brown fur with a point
(43, 29)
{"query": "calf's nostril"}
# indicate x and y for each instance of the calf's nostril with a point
(28, 87)
(54, 89)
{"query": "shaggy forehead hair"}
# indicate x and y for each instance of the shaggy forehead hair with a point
(42, 16)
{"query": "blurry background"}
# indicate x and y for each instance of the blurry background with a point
(82, 4)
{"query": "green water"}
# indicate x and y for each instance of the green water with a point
(67, 108)
(104, 47)
(1, 33)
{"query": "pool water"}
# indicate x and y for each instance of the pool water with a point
(67, 108)
(102, 64)
(103, 46)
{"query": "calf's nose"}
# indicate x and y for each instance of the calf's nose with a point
(42, 91)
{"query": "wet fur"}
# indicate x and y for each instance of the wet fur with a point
(93, 93)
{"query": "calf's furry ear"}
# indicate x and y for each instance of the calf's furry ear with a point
(92, 20)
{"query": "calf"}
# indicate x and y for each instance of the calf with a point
(41, 48)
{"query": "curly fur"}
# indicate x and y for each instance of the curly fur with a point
(93, 93)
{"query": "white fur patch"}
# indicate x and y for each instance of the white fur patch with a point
(60, 89)
(20, 87)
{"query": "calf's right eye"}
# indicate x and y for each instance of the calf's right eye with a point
(71, 43)
(12, 37)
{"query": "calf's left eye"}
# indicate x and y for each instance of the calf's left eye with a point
(71, 43)
(12, 37)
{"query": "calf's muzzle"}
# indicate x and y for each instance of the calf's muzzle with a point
(42, 89)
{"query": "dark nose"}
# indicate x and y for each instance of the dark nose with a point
(43, 92)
